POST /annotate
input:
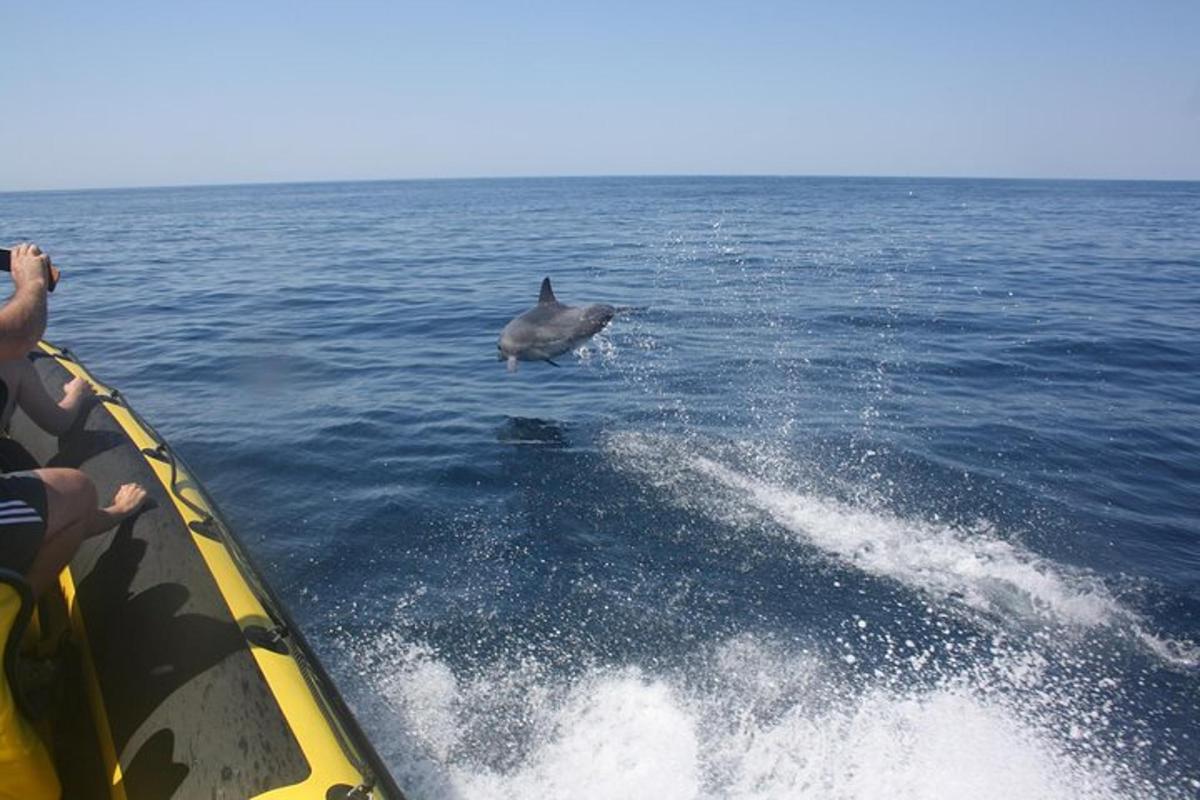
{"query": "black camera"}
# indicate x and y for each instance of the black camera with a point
(6, 266)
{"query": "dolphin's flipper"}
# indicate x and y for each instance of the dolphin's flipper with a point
(513, 364)
(551, 363)
(547, 294)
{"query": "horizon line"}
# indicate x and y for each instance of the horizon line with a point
(596, 176)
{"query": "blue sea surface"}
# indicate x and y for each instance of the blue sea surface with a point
(886, 487)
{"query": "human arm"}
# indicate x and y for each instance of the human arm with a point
(23, 317)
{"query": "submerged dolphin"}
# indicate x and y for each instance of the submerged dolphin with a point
(550, 329)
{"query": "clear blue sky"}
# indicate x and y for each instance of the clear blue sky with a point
(151, 93)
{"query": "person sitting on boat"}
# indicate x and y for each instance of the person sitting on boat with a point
(45, 514)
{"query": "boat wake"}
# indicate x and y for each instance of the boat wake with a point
(974, 567)
(746, 719)
(1022, 708)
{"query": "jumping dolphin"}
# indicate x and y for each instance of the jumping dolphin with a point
(550, 329)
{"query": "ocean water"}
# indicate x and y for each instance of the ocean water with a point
(886, 488)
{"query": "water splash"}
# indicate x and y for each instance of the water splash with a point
(747, 718)
(974, 566)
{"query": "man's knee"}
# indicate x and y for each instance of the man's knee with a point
(70, 495)
(83, 487)
(73, 483)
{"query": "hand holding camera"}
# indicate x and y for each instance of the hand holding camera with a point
(28, 262)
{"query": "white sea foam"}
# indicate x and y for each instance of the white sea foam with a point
(747, 721)
(616, 736)
(973, 566)
(754, 717)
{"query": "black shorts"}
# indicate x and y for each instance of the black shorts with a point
(22, 520)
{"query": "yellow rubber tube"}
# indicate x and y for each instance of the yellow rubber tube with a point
(26, 771)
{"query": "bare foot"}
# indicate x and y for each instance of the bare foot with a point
(126, 501)
(75, 392)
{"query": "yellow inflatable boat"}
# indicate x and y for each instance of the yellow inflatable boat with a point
(165, 668)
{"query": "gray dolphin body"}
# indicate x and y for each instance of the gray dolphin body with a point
(550, 329)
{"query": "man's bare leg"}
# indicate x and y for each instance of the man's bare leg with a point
(72, 516)
(128, 499)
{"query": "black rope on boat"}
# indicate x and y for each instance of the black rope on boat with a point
(344, 791)
(163, 453)
(273, 638)
(204, 527)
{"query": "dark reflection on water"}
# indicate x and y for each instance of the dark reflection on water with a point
(523, 430)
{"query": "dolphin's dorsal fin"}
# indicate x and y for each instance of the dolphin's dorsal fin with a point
(547, 294)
